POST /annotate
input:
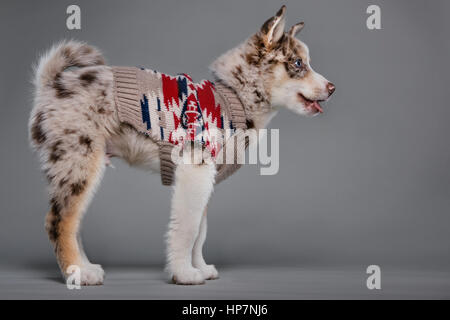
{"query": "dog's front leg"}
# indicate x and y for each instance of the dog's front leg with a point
(193, 187)
(209, 271)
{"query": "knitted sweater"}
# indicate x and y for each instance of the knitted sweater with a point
(173, 110)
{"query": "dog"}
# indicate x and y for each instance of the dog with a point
(75, 128)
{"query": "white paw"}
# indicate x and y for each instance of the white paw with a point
(209, 272)
(188, 276)
(96, 267)
(92, 275)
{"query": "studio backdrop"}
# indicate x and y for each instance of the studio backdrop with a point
(367, 182)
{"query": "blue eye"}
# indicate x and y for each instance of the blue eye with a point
(298, 63)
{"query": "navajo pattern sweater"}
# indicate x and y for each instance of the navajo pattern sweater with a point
(173, 110)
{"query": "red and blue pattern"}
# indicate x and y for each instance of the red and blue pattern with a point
(178, 110)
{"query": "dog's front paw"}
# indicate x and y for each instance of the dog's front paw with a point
(91, 275)
(188, 276)
(209, 272)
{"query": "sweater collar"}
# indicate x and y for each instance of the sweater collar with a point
(233, 103)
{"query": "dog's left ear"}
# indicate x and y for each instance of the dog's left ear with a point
(273, 29)
(296, 28)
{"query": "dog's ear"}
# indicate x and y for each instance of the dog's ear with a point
(296, 28)
(273, 29)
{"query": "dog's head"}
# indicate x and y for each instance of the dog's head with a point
(278, 64)
(292, 82)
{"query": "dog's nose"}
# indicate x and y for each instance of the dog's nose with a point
(330, 88)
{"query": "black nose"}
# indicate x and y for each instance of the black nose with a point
(330, 88)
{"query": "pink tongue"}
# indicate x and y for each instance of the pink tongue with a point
(317, 106)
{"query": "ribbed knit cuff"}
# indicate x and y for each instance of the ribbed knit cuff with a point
(127, 95)
(167, 166)
(233, 104)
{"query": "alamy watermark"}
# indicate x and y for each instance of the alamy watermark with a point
(373, 22)
(73, 280)
(73, 21)
(374, 280)
(230, 146)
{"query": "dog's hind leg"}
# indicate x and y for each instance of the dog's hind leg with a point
(72, 182)
(193, 187)
(209, 271)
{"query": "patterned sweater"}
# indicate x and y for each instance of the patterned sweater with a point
(173, 110)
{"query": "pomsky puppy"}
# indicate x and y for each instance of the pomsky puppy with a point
(75, 127)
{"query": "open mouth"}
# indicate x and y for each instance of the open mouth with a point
(312, 105)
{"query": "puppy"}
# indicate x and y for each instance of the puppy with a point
(75, 127)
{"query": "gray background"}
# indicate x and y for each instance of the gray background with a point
(367, 182)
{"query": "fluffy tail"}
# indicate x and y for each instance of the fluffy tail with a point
(62, 56)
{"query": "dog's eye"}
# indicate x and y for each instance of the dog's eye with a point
(298, 63)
